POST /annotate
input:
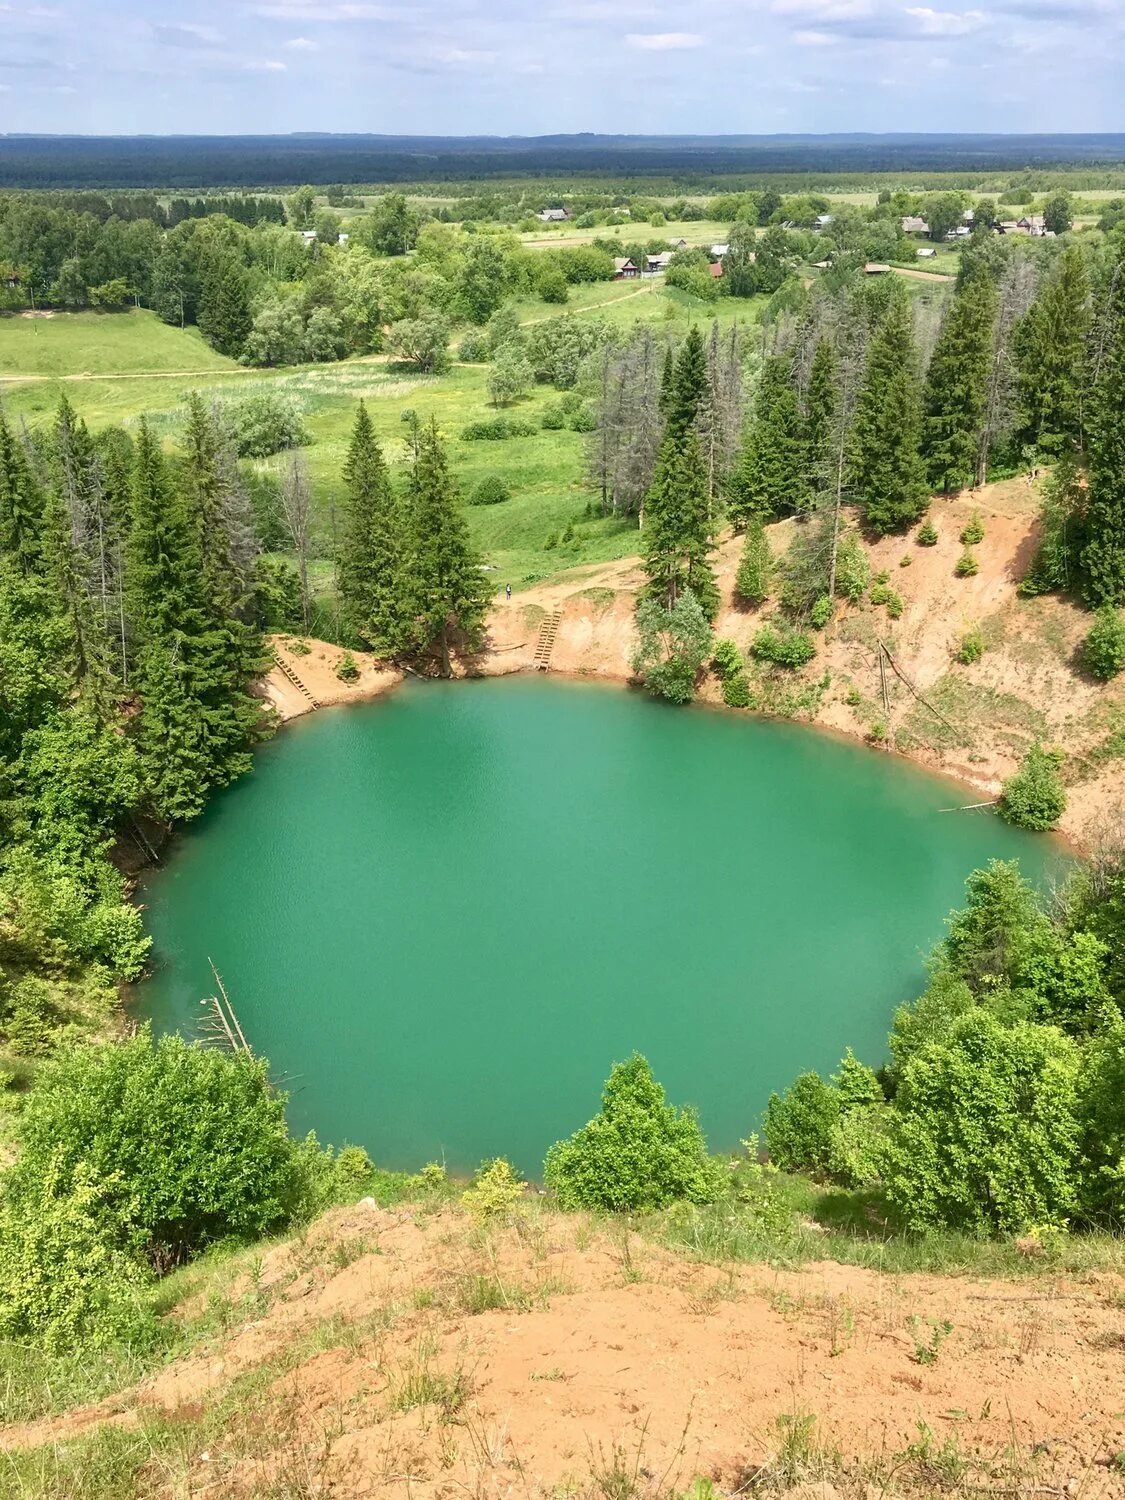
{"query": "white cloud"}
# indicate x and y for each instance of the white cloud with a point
(312, 10)
(263, 65)
(183, 34)
(301, 44)
(946, 22)
(823, 10)
(456, 57)
(813, 38)
(663, 41)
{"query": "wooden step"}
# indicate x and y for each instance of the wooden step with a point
(294, 679)
(548, 630)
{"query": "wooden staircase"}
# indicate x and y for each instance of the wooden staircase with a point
(546, 642)
(295, 680)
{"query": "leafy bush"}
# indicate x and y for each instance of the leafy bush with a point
(495, 1190)
(497, 430)
(727, 658)
(347, 668)
(672, 646)
(785, 648)
(853, 568)
(475, 348)
(266, 423)
(1103, 650)
(638, 1153)
(967, 565)
(821, 612)
(582, 419)
(859, 1144)
(553, 417)
(1035, 796)
(973, 533)
(927, 534)
(971, 648)
(799, 1124)
(491, 490)
(986, 1131)
(185, 1145)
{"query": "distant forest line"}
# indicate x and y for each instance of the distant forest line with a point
(688, 162)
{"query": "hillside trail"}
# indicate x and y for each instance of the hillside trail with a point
(280, 370)
(414, 1352)
(594, 307)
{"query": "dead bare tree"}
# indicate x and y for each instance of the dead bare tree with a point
(1015, 293)
(296, 505)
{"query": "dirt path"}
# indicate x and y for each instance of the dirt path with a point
(414, 1354)
(363, 359)
(652, 284)
(919, 275)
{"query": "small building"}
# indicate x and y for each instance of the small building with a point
(553, 215)
(926, 252)
(715, 267)
(912, 224)
(624, 269)
(1007, 226)
(309, 236)
(342, 238)
(823, 220)
(875, 268)
(1032, 224)
(656, 265)
(718, 251)
(678, 244)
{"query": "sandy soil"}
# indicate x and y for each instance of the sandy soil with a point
(1026, 686)
(316, 670)
(597, 1354)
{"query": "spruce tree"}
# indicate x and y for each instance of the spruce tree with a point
(1103, 557)
(369, 565)
(755, 569)
(1051, 357)
(957, 387)
(822, 415)
(688, 384)
(21, 503)
(447, 588)
(677, 539)
(887, 472)
(224, 315)
(768, 477)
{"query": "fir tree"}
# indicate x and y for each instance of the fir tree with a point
(369, 566)
(224, 315)
(755, 569)
(887, 471)
(677, 537)
(448, 590)
(957, 387)
(1103, 556)
(1051, 354)
(768, 477)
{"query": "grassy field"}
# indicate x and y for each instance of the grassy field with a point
(132, 364)
(90, 343)
(696, 231)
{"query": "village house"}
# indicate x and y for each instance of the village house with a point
(656, 265)
(309, 236)
(823, 220)
(718, 251)
(624, 268)
(715, 267)
(912, 224)
(553, 215)
(1032, 224)
(876, 268)
(678, 244)
(926, 251)
(342, 238)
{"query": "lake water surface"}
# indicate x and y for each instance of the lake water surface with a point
(444, 915)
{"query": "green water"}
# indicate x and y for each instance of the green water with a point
(443, 915)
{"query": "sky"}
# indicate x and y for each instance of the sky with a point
(530, 67)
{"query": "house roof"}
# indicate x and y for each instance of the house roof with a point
(623, 263)
(715, 267)
(926, 250)
(719, 250)
(912, 224)
(876, 268)
(824, 218)
(660, 260)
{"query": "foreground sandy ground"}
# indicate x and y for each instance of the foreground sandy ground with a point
(414, 1352)
(1027, 685)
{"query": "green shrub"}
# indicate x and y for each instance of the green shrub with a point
(736, 691)
(550, 541)
(347, 669)
(497, 430)
(185, 1144)
(495, 1190)
(853, 568)
(553, 417)
(582, 419)
(882, 593)
(821, 612)
(475, 348)
(727, 659)
(973, 533)
(799, 1124)
(858, 1145)
(1035, 796)
(785, 648)
(927, 534)
(971, 648)
(266, 423)
(491, 490)
(638, 1153)
(986, 1131)
(1103, 651)
(672, 647)
(967, 565)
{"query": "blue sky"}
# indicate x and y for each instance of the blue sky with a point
(535, 66)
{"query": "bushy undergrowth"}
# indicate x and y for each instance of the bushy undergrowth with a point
(1035, 796)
